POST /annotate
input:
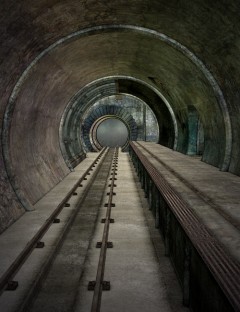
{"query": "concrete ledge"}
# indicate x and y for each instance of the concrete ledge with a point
(15, 238)
(202, 243)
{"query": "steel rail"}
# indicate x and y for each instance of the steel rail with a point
(25, 253)
(97, 296)
(223, 267)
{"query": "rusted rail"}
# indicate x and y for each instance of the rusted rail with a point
(223, 267)
(100, 284)
(7, 277)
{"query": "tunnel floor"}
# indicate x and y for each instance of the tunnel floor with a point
(140, 273)
(131, 266)
(141, 279)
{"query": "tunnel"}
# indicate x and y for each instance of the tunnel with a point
(112, 132)
(153, 83)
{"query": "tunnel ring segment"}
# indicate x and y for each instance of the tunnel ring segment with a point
(94, 30)
(93, 131)
(81, 110)
(150, 32)
(112, 111)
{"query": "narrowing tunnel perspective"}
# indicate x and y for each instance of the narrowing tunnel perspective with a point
(119, 156)
(109, 241)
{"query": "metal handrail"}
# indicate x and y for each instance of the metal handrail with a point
(96, 303)
(25, 253)
(203, 196)
(223, 267)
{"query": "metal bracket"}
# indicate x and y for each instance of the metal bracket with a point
(105, 285)
(56, 220)
(109, 245)
(91, 285)
(67, 205)
(40, 245)
(104, 220)
(114, 185)
(75, 193)
(112, 205)
(112, 193)
(12, 285)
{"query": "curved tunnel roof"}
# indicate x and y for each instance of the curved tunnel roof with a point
(171, 54)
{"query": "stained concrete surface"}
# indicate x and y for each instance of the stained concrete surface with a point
(138, 282)
(142, 278)
(58, 290)
(209, 29)
(130, 222)
(14, 239)
(212, 194)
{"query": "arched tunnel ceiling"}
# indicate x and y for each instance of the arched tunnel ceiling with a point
(210, 31)
(73, 64)
(122, 85)
(69, 66)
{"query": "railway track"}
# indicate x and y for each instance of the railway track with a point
(7, 281)
(89, 269)
(12, 282)
(103, 258)
(68, 265)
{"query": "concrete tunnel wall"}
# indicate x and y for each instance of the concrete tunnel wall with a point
(34, 163)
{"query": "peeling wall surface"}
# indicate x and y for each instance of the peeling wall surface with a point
(170, 54)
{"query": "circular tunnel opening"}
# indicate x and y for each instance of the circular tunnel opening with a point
(112, 132)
